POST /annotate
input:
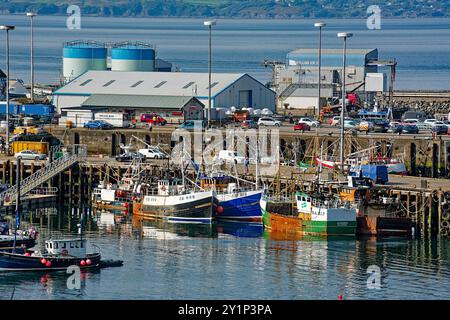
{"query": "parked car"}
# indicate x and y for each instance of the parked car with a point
(380, 126)
(302, 126)
(129, 156)
(393, 125)
(153, 118)
(439, 128)
(407, 129)
(152, 153)
(249, 124)
(310, 122)
(351, 124)
(335, 121)
(98, 124)
(266, 121)
(30, 155)
(229, 157)
(420, 125)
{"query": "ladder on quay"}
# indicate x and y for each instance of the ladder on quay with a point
(46, 173)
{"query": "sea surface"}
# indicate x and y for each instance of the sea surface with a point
(421, 46)
(232, 261)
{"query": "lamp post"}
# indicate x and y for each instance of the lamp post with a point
(319, 25)
(209, 24)
(343, 35)
(7, 29)
(32, 15)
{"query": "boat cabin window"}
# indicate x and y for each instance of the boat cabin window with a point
(71, 245)
(63, 245)
(56, 245)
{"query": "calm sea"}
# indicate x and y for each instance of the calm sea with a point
(233, 261)
(421, 46)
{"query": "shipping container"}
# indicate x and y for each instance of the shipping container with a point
(41, 147)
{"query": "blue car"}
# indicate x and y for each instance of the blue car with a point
(407, 129)
(98, 124)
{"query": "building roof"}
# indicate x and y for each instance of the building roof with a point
(148, 83)
(137, 101)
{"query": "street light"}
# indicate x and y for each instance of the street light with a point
(7, 29)
(343, 35)
(209, 24)
(32, 15)
(319, 25)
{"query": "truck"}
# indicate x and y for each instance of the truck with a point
(241, 115)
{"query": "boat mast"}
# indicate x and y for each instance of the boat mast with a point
(256, 165)
(17, 222)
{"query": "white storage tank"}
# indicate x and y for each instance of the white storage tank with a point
(81, 56)
(132, 56)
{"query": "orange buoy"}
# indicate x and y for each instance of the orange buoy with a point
(43, 261)
(83, 263)
(219, 209)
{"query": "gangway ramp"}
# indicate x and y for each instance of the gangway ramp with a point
(46, 173)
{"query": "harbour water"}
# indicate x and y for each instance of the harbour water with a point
(420, 46)
(234, 261)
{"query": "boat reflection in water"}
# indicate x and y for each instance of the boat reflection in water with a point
(241, 229)
(164, 230)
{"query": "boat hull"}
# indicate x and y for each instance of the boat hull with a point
(285, 223)
(20, 262)
(241, 206)
(188, 208)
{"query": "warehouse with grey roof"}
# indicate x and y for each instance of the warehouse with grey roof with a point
(162, 91)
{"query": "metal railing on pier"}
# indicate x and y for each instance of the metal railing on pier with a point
(46, 173)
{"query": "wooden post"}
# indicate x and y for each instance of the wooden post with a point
(70, 185)
(3, 172)
(11, 173)
(440, 213)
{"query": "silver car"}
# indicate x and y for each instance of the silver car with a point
(30, 155)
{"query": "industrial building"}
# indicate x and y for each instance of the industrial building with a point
(147, 89)
(304, 64)
(296, 80)
(81, 56)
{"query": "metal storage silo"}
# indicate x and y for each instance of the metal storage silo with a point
(81, 56)
(132, 56)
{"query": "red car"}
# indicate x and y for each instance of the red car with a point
(154, 119)
(302, 127)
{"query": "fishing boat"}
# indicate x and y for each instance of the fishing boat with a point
(175, 202)
(237, 199)
(239, 205)
(59, 254)
(315, 216)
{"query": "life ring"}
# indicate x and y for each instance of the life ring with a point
(64, 252)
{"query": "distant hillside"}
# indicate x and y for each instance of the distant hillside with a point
(234, 8)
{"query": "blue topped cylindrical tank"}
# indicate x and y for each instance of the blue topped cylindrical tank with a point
(132, 56)
(81, 56)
